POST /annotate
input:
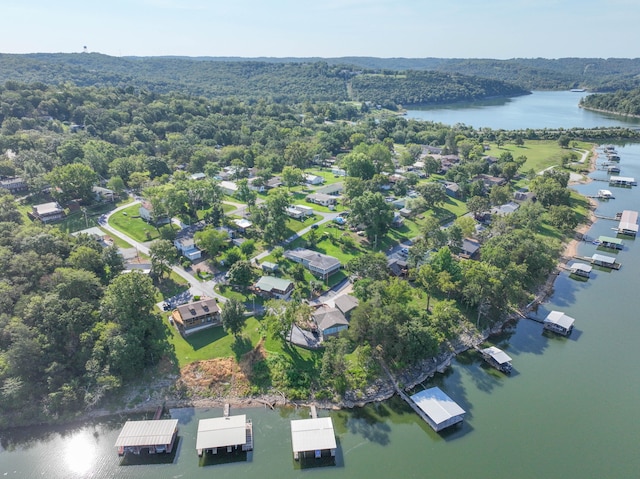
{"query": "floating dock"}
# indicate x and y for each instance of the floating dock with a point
(313, 438)
(622, 181)
(609, 242)
(439, 410)
(497, 358)
(601, 260)
(628, 223)
(224, 433)
(580, 269)
(157, 436)
(558, 322)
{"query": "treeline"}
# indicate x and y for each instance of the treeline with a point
(280, 82)
(621, 102)
(72, 328)
(415, 87)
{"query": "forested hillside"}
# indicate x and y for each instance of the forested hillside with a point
(281, 81)
(622, 102)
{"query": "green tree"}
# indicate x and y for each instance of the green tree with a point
(434, 194)
(292, 176)
(163, 255)
(73, 181)
(211, 240)
(373, 212)
(369, 265)
(232, 316)
(240, 274)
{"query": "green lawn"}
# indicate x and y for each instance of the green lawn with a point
(172, 285)
(129, 222)
(541, 154)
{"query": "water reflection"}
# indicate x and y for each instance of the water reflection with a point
(80, 453)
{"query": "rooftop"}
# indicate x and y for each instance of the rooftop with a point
(221, 432)
(437, 405)
(198, 308)
(146, 433)
(497, 354)
(312, 434)
(269, 283)
(559, 318)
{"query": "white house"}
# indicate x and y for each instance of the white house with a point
(319, 264)
(146, 213)
(322, 199)
(187, 248)
(294, 213)
(47, 212)
(228, 187)
(313, 179)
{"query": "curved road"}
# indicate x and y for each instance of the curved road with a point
(196, 286)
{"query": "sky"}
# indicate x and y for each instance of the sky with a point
(499, 29)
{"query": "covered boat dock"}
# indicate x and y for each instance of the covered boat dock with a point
(229, 432)
(581, 269)
(155, 436)
(604, 261)
(628, 223)
(558, 322)
(609, 242)
(622, 181)
(313, 438)
(497, 358)
(440, 410)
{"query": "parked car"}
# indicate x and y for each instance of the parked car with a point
(314, 226)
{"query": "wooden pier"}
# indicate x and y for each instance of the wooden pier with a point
(227, 410)
(313, 412)
(158, 413)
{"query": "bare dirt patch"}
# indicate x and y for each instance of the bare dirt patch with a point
(221, 377)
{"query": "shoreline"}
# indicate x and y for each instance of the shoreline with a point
(381, 389)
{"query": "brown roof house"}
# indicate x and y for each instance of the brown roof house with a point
(197, 316)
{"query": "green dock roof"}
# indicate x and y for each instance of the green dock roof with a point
(609, 239)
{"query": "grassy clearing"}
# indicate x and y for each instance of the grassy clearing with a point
(171, 286)
(541, 154)
(129, 222)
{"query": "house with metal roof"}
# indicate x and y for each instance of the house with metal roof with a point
(273, 287)
(558, 322)
(224, 433)
(313, 438)
(196, 316)
(440, 410)
(319, 264)
(157, 436)
(604, 261)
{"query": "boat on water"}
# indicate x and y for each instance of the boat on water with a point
(497, 358)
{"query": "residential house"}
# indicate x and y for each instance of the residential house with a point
(322, 199)
(198, 176)
(294, 212)
(269, 267)
(524, 194)
(196, 316)
(103, 194)
(346, 304)
(489, 181)
(428, 150)
(505, 209)
(334, 189)
(452, 189)
(338, 172)
(228, 187)
(398, 267)
(274, 182)
(242, 225)
(398, 220)
(470, 248)
(330, 321)
(13, 185)
(313, 179)
(256, 184)
(306, 210)
(273, 287)
(319, 264)
(186, 246)
(146, 213)
(47, 212)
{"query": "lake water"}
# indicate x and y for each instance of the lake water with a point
(569, 410)
(541, 109)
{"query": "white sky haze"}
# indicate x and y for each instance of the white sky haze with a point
(330, 28)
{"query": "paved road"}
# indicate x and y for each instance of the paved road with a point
(197, 287)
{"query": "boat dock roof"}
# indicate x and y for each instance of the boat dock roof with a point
(628, 221)
(498, 355)
(221, 432)
(312, 434)
(147, 433)
(587, 268)
(559, 318)
(609, 239)
(439, 407)
(603, 259)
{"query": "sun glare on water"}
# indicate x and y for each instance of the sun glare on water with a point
(80, 453)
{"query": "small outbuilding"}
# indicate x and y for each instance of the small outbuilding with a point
(229, 432)
(558, 322)
(313, 438)
(440, 410)
(156, 436)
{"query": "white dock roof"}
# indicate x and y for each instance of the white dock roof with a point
(497, 354)
(603, 258)
(312, 434)
(581, 267)
(559, 318)
(437, 405)
(221, 432)
(147, 433)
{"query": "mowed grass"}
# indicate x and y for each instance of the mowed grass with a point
(541, 154)
(129, 222)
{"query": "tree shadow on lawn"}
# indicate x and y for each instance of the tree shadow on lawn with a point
(204, 338)
(168, 287)
(241, 345)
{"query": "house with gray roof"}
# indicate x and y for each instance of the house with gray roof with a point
(346, 303)
(196, 316)
(319, 264)
(273, 287)
(330, 321)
